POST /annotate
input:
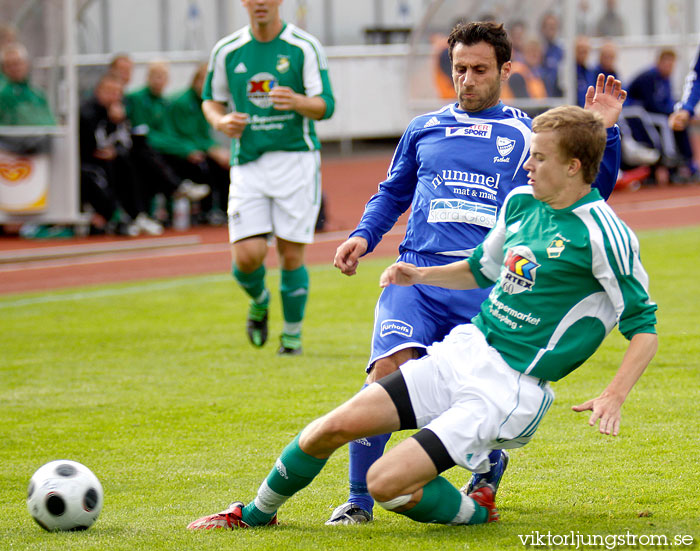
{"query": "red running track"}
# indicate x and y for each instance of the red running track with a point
(44, 265)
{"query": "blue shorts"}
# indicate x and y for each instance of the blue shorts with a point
(418, 316)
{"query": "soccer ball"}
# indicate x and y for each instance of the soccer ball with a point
(64, 495)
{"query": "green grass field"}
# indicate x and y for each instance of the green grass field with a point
(154, 387)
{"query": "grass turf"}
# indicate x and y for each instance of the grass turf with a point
(154, 386)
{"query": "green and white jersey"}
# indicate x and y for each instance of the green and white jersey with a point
(242, 71)
(564, 278)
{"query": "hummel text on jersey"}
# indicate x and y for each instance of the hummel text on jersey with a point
(467, 179)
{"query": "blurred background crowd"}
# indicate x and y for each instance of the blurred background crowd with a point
(100, 99)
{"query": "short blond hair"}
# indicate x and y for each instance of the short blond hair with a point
(581, 135)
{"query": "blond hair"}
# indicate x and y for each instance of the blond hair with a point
(581, 135)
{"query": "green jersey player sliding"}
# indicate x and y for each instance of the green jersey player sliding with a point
(566, 271)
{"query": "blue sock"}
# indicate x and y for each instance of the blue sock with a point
(363, 453)
(494, 456)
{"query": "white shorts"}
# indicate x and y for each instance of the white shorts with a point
(472, 400)
(278, 193)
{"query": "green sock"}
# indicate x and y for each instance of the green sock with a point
(253, 283)
(293, 471)
(440, 503)
(294, 288)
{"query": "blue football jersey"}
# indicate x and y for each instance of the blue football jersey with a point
(454, 169)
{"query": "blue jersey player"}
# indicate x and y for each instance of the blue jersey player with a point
(453, 167)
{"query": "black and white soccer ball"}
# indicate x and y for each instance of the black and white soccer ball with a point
(64, 495)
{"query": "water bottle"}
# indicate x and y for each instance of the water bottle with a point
(181, 213)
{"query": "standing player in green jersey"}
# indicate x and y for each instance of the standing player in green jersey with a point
(565, 271)
(274, 77)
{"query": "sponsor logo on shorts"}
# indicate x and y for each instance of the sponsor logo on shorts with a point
(258, 89)
(465, 212)
(520, 269)
(474, 130)
(396, 327)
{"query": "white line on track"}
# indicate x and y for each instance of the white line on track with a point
(660, 204)
(145, 287)
(125, 256)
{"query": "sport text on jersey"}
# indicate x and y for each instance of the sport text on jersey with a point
(475, 130)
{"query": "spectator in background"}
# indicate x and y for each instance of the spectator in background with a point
(610, 23)
(517, 31)
(197, 155)
(525, 76)
(684, 110)
(584, 23)
(584, 76)
(20, 102)
(106, 150)
(553, 54)
(606, 60)
(147, 110)
(122, 67)
(651, 90)
(8, 35)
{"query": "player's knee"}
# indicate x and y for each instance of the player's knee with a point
(383, 485)
(382, 368)
(333, 431)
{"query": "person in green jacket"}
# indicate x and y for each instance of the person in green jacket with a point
(20, 102)
(196, 154)
(146, 110)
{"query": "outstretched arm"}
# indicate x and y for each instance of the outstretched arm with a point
(607, 407)
(606, 99)
(457, 275)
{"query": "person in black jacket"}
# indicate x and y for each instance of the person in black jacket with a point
(106, 150)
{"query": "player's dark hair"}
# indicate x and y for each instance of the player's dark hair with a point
(482, 31)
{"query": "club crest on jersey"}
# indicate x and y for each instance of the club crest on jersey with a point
(505, 146)
(556, 247)
(519, 270)
(258, 89)
(396, 327)
(474, 130)
(282, 63)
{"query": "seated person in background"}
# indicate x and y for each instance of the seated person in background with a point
(584, 75)
(147, 110)
(525, 76)
(20, 102)
(8, 35)
(121, 67)
(105, 143)
(651, 91)
(442, 67)
(684, 110)
(553, 54)
(606, 60)
(197, 154)
(517, 31)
